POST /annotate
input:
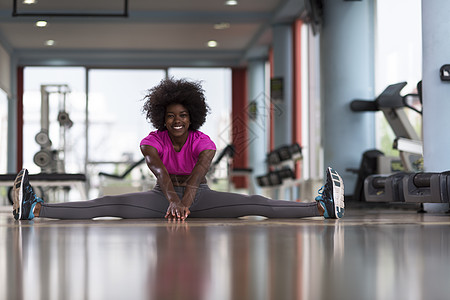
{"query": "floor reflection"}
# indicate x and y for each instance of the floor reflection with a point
(355, 258)
(182, 264)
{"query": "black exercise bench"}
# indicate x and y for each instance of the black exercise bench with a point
(61, 180)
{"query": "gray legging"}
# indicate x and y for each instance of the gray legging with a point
(153, 204)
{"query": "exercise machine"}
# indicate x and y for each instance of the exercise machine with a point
(393, 106)
(228, 153)
(408, 184)
(49, 158)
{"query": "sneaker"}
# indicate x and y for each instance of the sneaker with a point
(331, 195)
(24, 197)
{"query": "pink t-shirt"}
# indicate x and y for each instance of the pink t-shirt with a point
(179, 163)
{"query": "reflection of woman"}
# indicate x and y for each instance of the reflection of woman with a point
(180, 156)
(180, 276)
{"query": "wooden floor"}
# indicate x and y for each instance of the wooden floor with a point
(369, 254)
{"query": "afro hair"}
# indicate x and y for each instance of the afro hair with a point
(171, 91)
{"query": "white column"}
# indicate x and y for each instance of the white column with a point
(258, 119)
(435, 92)
(347, 73)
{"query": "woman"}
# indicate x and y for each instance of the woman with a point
(180, 156)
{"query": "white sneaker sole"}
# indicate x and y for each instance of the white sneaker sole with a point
(19, 197)
(338, 193)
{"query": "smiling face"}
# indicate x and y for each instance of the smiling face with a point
(177, 120)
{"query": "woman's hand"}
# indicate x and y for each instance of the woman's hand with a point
(177, 211)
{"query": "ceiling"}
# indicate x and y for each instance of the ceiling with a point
(155, 33)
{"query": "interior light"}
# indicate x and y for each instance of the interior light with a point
(231, 2)
(220, 26)
(41, 23)
(29, 2)
(49, 42)
(212, 44)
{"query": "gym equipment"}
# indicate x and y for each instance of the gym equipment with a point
(126, 182)
(49, 159)
(125, 173)
(406, 141)
(53, 177)
(280, 164)
(280, 178)
(48, 180)
(229, 152)
(427, 187)
(379, 188)
(424, 187)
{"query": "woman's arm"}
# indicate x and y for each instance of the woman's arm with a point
(197, 175)
(176, 208)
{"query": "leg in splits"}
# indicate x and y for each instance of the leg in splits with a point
(213, 204)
